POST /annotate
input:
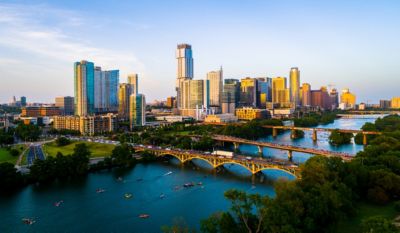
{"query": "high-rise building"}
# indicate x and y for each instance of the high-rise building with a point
(23, 101)
(230, 95)
(306, 94)
(215, 78)
(124, 93)
(66, 104)
(264, 87)
(248, 92)
(280, 92)
(105, 90)
(184, 70)
(347, 98)
(395, 103)
(295, 86)
(133, 79)
(137, 110)
(334, 98)
(84, 88)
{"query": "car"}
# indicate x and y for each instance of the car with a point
(249, 158)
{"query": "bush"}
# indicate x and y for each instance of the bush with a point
(14, 152)
(63, 141)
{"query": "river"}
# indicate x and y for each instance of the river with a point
(84, 210)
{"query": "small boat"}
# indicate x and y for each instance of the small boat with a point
(144, 216)
(253, 187)
(58, 203)
(188, 185)
(177, 187)
(100, 190)
(162, 196)
(168, 173)
(200, 183)
(119, 179)
(128, 195)
(28, 221)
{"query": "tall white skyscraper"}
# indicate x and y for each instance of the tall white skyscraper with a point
(184, 70)
(295, 86)
(215, 89)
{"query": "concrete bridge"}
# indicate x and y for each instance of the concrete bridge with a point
(289, 148)
(254, 165)
(315, 130)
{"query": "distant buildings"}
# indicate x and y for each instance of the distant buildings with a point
(66, 104)
(230, 95)
(306, 94)
(248, 113)
(106, 90)
(87, 125)
(221, 118)
(23, 101)
(40, 111)
(280, 92)
(248, 92)
(385, 104)
(133, 80)
(215, 79)
(347, 99)
(171, 102)
(124, 93)
(395, 103)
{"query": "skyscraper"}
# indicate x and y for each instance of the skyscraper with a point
(230, 95)
(184, 70)
(248, 92)
(347, 98)
(106, 90)
(306, 89)
(137, 110)
(84, 88)
(295, 86)
(280, 92)
(99, 89)
(124, 93)
(215, 78)
(263, 91)
(133, 79)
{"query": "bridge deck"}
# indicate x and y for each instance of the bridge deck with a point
(320, 129)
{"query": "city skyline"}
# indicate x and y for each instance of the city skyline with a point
(46, 50)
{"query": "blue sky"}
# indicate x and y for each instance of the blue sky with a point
(352, 44)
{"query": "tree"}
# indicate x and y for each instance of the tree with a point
(63, 141)
(378, 224)
(28, 132)
(10, 179)
(338, 138)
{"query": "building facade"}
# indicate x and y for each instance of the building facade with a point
(84, 88)
(280, 92)
(124, 93)
(87, 125)
(306, 94)
(246, 113)
(395, 103)
(66, 104)
(230, 95)
(133, 80)
(215, 79)
(248, 92)
(184, 70)
(137, 110)
(41, 111)
(348, 99)
(294, 77)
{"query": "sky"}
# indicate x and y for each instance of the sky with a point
(347, 44)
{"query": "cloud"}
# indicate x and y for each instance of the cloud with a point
(42, 34)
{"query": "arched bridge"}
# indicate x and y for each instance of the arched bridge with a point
(237, 141)
(254, 165)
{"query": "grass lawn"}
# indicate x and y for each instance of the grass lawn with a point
(5, 155)
(97, 149)
(365, 210)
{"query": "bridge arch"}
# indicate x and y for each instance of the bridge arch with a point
(172, 154)
(279, 169)
(233, 162)
(198, 157)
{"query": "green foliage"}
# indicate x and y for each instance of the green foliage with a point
(14, 152)
(378, 224)
(28, 132)
(62, 167)
(63, 141)
(122, 156)
(338, 138)
(315, 119)
(179, 226)
(296, 134)
(10, 179)
(64, 132)
(6, 138)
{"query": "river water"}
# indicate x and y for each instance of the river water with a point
(84, 210)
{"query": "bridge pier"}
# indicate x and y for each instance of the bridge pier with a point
(236, 146)
(365, 139)
(290, 155)
(260, 150)
(314, 135)
(274, 132)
